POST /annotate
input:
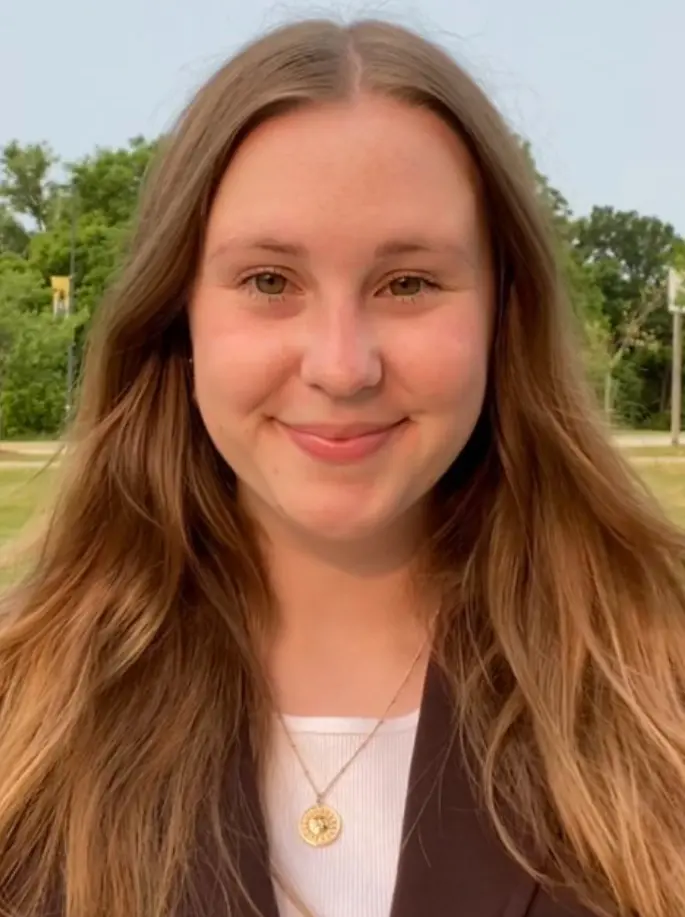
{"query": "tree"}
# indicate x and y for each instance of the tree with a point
(628, 255)
(25, 180)
(34, 395)
(553, 200)
(39, 219)
(614, 264)
(33, 351)
(109, 181)
(8, 330)
(13, 236)
(22, 285)
(585, 294)
(22, 298)
(98, 251)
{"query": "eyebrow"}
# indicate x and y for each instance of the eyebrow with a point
(399, 246)
(421, 245)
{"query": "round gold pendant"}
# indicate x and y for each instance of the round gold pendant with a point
(320, 826)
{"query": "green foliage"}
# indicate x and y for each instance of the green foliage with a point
(108, 183)
(13, 236)
(33, 398)
(33, 348)
(21, 286)
(584, 292)
(629, 256)
(40, 220)
(25, 183)
(98, 248)
(614, 264)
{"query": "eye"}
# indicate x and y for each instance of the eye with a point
(408, 285)
(268, 283)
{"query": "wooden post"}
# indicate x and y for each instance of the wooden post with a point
(676, 375)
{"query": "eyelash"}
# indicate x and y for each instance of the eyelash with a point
(248, 284)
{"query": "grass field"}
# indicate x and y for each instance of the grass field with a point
(667, 482)
(22, 490)
(26, 483)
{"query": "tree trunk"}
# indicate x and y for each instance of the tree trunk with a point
(608, 396)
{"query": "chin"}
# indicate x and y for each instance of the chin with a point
(337, 523)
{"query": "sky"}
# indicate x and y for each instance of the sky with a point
(598, 86)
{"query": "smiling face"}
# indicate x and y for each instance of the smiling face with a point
(342, 313)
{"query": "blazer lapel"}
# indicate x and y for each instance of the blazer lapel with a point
(253, 853)
(451, 862)
(211, 893)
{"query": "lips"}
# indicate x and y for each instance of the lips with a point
(341, 432)
(342, 443)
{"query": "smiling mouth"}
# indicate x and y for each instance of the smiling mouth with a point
(342, 443)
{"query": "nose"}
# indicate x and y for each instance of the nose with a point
(341, 356)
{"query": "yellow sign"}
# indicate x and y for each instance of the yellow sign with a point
(61, 295)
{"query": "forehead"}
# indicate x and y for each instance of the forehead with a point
(369, 167)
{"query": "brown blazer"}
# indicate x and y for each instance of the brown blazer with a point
(451, 864)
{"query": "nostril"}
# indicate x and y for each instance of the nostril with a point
(342, 373)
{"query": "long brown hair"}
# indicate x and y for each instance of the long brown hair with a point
(127, 660)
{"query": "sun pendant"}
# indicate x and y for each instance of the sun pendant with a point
(320, 826)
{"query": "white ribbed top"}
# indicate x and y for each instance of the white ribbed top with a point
(354, 876)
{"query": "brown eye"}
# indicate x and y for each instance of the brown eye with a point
(406, 286)
(269, 284)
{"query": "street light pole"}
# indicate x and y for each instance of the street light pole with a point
(71, 301)
(676, 375)
(674, 286)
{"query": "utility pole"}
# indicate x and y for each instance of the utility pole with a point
(71, 302)
(676, 375)
(674, 287)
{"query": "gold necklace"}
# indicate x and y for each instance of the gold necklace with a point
(321, 824)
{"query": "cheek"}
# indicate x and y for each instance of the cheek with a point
(448, 364)
(237, 363)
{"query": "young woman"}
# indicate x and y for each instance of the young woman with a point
(346, 607)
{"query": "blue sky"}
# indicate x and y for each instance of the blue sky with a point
(597, 85)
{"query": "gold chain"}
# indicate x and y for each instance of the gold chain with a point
(321, 824)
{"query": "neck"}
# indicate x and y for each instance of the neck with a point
(350, 621)
(332, 605)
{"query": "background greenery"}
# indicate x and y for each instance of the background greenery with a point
(42, 202)
(615, 262)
